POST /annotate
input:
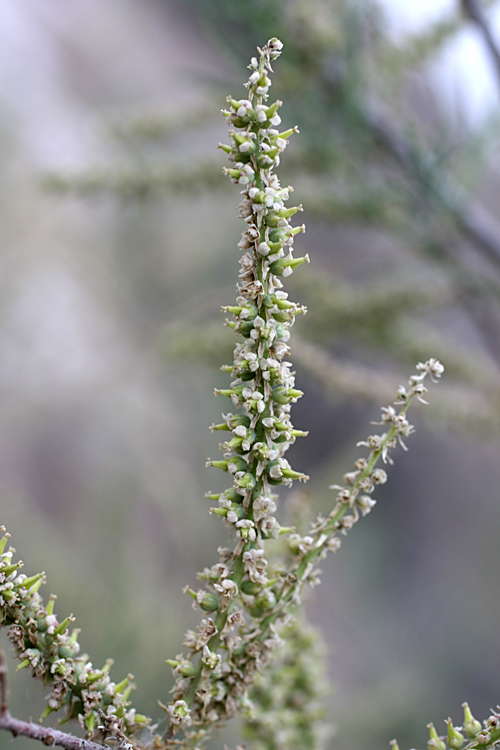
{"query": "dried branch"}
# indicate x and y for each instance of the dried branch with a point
(47, 735)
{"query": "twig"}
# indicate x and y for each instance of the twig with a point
(47, 735)
(473, 10)
(4, 695)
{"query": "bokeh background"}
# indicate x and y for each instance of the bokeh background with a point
(118, 247)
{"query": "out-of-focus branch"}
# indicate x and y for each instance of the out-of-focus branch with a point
(46, 735)
(474, 11)
(474, 221)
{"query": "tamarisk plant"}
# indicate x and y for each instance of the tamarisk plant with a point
(247, 601)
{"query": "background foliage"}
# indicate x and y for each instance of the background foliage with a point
(116, 249)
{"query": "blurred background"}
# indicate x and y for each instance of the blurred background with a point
(118, 247)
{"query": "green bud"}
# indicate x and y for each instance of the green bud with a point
(287, 133)
(455, 738)
(239, 139)
(250, 587)
(239, 122)
(181, 708)
(223, 426)
(245, 327)
(23, 664)
(471, 725)
(282, 395)
(287, 213)
(219, 511)
(247, 375)
(95, 677)
(256, 611)
(74, 636)
(260, 197)
(279, 266)
(3, 542)
(234, 444)
(247, 481)
(46, 712)
(209, 603)
(29, 582)
(89, 722)
(291, 474)
(186, 670)
(225, 148)
(50, 606)
(273, 108)
(239, 419)
(238, 462)
(282, 316)
(63, 625)
(222, 464)
(8, 569)
(434, 743)
(120, 687)
(272, 218)
(281, 426)
(232, 495)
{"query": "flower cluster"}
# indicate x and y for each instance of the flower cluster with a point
(45, 644)
(246, 600)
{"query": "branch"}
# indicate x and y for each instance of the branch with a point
(474, 221)
(473, 10)
(46, 735)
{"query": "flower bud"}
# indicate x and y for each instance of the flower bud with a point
(471, 725)
(279, 267)
(434, 743)
(455, 739)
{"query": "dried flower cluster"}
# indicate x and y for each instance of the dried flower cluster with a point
(46, 645)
